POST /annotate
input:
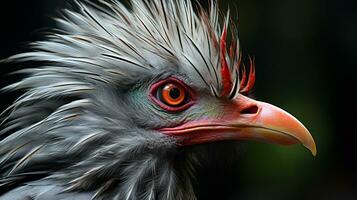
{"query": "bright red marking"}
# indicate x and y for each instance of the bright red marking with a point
(225, 72)
(232, 49)
(243, 79)
(246, 87)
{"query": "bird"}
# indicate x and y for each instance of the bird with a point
(122, 101)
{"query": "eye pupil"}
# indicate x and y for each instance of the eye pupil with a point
(175, 93)
(171, 95)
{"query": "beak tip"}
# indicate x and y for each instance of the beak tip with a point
(314, 151)
(312, 148)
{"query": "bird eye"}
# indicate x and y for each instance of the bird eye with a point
(171, 95)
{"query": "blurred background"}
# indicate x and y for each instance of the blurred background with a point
(306, 54)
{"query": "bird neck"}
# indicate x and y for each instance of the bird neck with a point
(143, 173)
(157, 175)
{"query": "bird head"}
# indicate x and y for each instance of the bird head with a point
(121, 91)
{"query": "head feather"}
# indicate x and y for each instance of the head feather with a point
(50, 130)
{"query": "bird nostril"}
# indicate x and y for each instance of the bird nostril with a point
(253, 109)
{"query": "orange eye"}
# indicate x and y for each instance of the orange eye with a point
(173, 94)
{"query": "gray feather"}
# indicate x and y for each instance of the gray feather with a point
(83, 128)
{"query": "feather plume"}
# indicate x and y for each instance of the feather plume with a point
(71, 125)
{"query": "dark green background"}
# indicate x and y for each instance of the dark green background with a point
(305, 52)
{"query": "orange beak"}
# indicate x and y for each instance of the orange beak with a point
(245, 118)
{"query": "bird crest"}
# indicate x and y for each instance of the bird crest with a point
(101, 46)
(228, 87)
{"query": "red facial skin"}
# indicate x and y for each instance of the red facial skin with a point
(245, 119)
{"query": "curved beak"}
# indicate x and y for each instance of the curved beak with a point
(245, 118)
